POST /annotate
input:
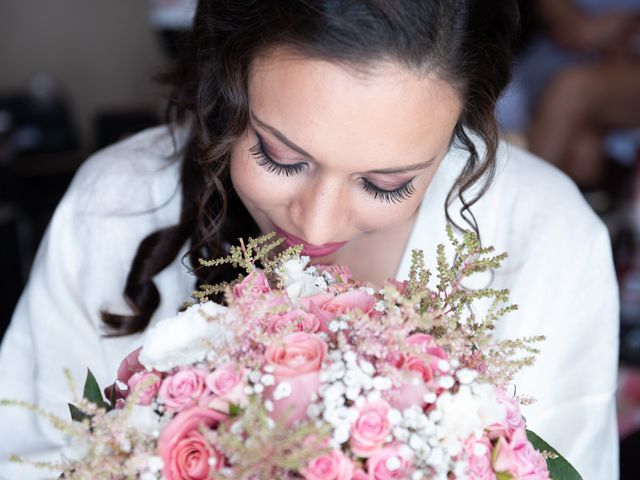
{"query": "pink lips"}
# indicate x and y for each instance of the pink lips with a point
(308, 249)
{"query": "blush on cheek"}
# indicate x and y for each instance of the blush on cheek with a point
(244, 171)
(259, 191)
(379, 216)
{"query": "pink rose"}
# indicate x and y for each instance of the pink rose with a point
(254, 284)
(360, 475)
(149, 393)
(424, 343)
(226, 382)
(410, 393)
(386, 464)
(519, 459)
(293, 407)
(296, 354)
(428, 367)
(303, 321)
(184, 450)
(297, 360)
(418, 365)
(327, 306)
(513, 420)
(478, 454)
(335, 465)
(414, 389)
(183, 389)
(371, 429)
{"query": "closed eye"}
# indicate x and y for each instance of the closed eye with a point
(265, 161)
(389, 196)
(270, 165)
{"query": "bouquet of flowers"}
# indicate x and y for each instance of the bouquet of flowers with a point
(306, 373)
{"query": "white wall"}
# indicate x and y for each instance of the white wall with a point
(102, 51)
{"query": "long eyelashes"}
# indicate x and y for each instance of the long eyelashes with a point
(266, 162)
(389, 196)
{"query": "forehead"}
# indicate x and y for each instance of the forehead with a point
(379, 118)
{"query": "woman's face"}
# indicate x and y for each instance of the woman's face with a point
(333, 155)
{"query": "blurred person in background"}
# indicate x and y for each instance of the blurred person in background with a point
(576, 91)
(575, 100)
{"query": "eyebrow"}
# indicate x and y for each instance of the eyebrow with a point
(280, 136)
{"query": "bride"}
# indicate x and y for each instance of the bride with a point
(359, 129)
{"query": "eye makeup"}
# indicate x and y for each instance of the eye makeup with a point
(264, 160)
(389, 196)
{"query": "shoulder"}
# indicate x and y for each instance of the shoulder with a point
(522, 174)
(118, 197)
(536, 213)
(530, 209)
(538, 198)
(133, 175)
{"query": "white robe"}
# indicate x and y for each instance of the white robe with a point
(559, 271)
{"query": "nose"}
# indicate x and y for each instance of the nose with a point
(320, 211)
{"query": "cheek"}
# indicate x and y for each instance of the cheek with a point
(377, 215)
(383, 216)
(256, 188)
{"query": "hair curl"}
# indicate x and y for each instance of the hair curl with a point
(466, 42)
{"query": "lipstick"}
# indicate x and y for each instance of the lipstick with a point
(307, 248)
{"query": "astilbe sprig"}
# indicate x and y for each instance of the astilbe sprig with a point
(109, 447)
(248, 256)
(505, 358)
(113, 448)
(262, 449)
(446, 310)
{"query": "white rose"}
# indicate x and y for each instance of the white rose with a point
(298, 281)
(490, 410)
(292, 270)
(466, 413)
(308, 285)
(185, 338)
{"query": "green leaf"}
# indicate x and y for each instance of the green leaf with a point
(559, 468)
(234, 410)
(92, 391)
(503, 476)
(77, 415)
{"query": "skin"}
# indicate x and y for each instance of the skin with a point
(351, 125)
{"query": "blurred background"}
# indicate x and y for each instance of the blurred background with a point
(77, 75)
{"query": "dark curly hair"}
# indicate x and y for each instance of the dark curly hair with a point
(466, 42)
